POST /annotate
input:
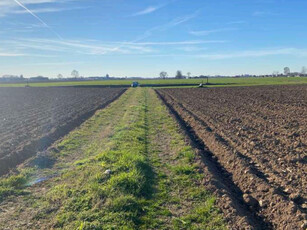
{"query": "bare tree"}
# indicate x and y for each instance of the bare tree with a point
(163, 75)
(179, 74)
(304, 70)
(75, 74)
(287, 71)
(60, 76)
(189, 74)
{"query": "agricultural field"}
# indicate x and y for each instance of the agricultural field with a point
(33, 118)
(143, 158)
(213, 82)
(127, 167)
(257, 139)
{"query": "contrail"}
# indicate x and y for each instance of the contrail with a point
(177, 21)
(38, 18)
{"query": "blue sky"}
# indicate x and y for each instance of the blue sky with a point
(143, 38)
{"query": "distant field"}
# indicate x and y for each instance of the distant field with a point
(220, 82)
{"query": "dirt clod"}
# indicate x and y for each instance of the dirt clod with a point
(251, 201)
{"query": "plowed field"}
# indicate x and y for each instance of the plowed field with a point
(33, 118)
(258, 138)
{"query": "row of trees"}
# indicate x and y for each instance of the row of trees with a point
(287, 71)
(179, 75)
(74, 74)
(163, 75)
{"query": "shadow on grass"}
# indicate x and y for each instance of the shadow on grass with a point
(42, 162)
(147, 168)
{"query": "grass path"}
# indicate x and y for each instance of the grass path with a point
(128, 167)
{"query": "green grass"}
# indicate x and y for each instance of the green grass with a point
(178, 177)
(154, 181)
(106, 201)
(220, 82)
(13, 185)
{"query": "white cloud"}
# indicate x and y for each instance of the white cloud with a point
(148, 10)
(180, 20)
(160, 28)
(208, 32)
(176, 43)
(191, 49)
(257, 53)
(16, 53)
(22, 47)
(37, 18)
(11, 54)
(47, 10)
(9, 6)
(10, 3)
(77, 46)
(51, 63)
(94, 47)
(294, 52)
(237, 22)
(151, 9)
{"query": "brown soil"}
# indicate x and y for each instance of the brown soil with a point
(34, 118)
(253, 141)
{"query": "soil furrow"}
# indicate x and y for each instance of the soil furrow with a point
(45, 139)
(263, 198)
(219, 181)
(262, 165)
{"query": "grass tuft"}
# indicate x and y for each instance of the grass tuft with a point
(12, 185)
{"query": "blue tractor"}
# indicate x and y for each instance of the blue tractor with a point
(135, 84)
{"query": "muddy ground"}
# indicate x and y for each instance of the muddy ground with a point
(256, 138)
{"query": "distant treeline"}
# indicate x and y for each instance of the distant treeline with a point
(21, 79)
